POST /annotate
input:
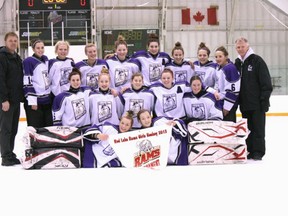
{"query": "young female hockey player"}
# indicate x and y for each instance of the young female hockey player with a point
(91, 67)
(228, 84)
(71, 108)
(98, 152)
(178, 153)
(137, 97)
(121, 67)
(104, 106)
(200, 104)
(181, 68)
(60, 68)
(205, 68)
(169, 95)
(152, 61)
(37, 89)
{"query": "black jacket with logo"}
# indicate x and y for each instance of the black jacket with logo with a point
(256, 86)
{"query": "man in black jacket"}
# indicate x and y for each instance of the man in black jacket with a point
(255, 91)
(11, 94)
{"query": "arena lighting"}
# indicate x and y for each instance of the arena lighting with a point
(144, 4)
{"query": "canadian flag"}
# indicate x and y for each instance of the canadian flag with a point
(204, 16)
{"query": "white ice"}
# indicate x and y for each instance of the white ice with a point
(255, 188)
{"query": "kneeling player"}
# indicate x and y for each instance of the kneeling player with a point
(178, 144)
(98, 152)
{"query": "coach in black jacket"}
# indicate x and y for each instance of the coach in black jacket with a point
(11, 94)
(255, 91)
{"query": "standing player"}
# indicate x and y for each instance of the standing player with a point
(228, 84)
(205, 68)
(181, 68)
(121, 67)
(91, 67)
(37, 88)
(152, 61)
(60, 68)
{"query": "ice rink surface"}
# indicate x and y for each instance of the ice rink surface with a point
(252, 189)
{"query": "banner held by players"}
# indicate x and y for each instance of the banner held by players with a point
(143, 148)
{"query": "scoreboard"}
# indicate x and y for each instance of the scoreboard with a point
(74, 16)
(136, 39)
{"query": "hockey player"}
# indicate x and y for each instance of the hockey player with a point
(169, 95)
(91, 67)
(205, 68)
(181, 68)
(98, 152)
(71, 108)
(200, 104)
(37, 89)
(60, 68)
(178, 154)
(228, 84)
(104, 106)
(121, 67)
(152, 61)
(137, 97)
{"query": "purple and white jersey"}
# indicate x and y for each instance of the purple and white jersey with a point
(105, 107)
(102, 151)
(151, 67)
(204, 107)
(178, 143)
(207, 73)
(72, 109)
(137, 100)
(36, 80)
(169, 102)
(59, 71)
(121, 71)
(89, 73)
(182, 72)
(228, 82)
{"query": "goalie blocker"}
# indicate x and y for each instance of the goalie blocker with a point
(54, 147)
(217, 142)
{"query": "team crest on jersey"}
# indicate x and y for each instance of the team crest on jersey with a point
(169, 102)
(198, 111)
(109, 151)
(180, 75)
(136, 105)
(65, 71)
(92, 80)
(200, 73)
(104, 110)
(155, 72)
(148, 155)
(46, 79)
(79, 108)
(121, 76)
